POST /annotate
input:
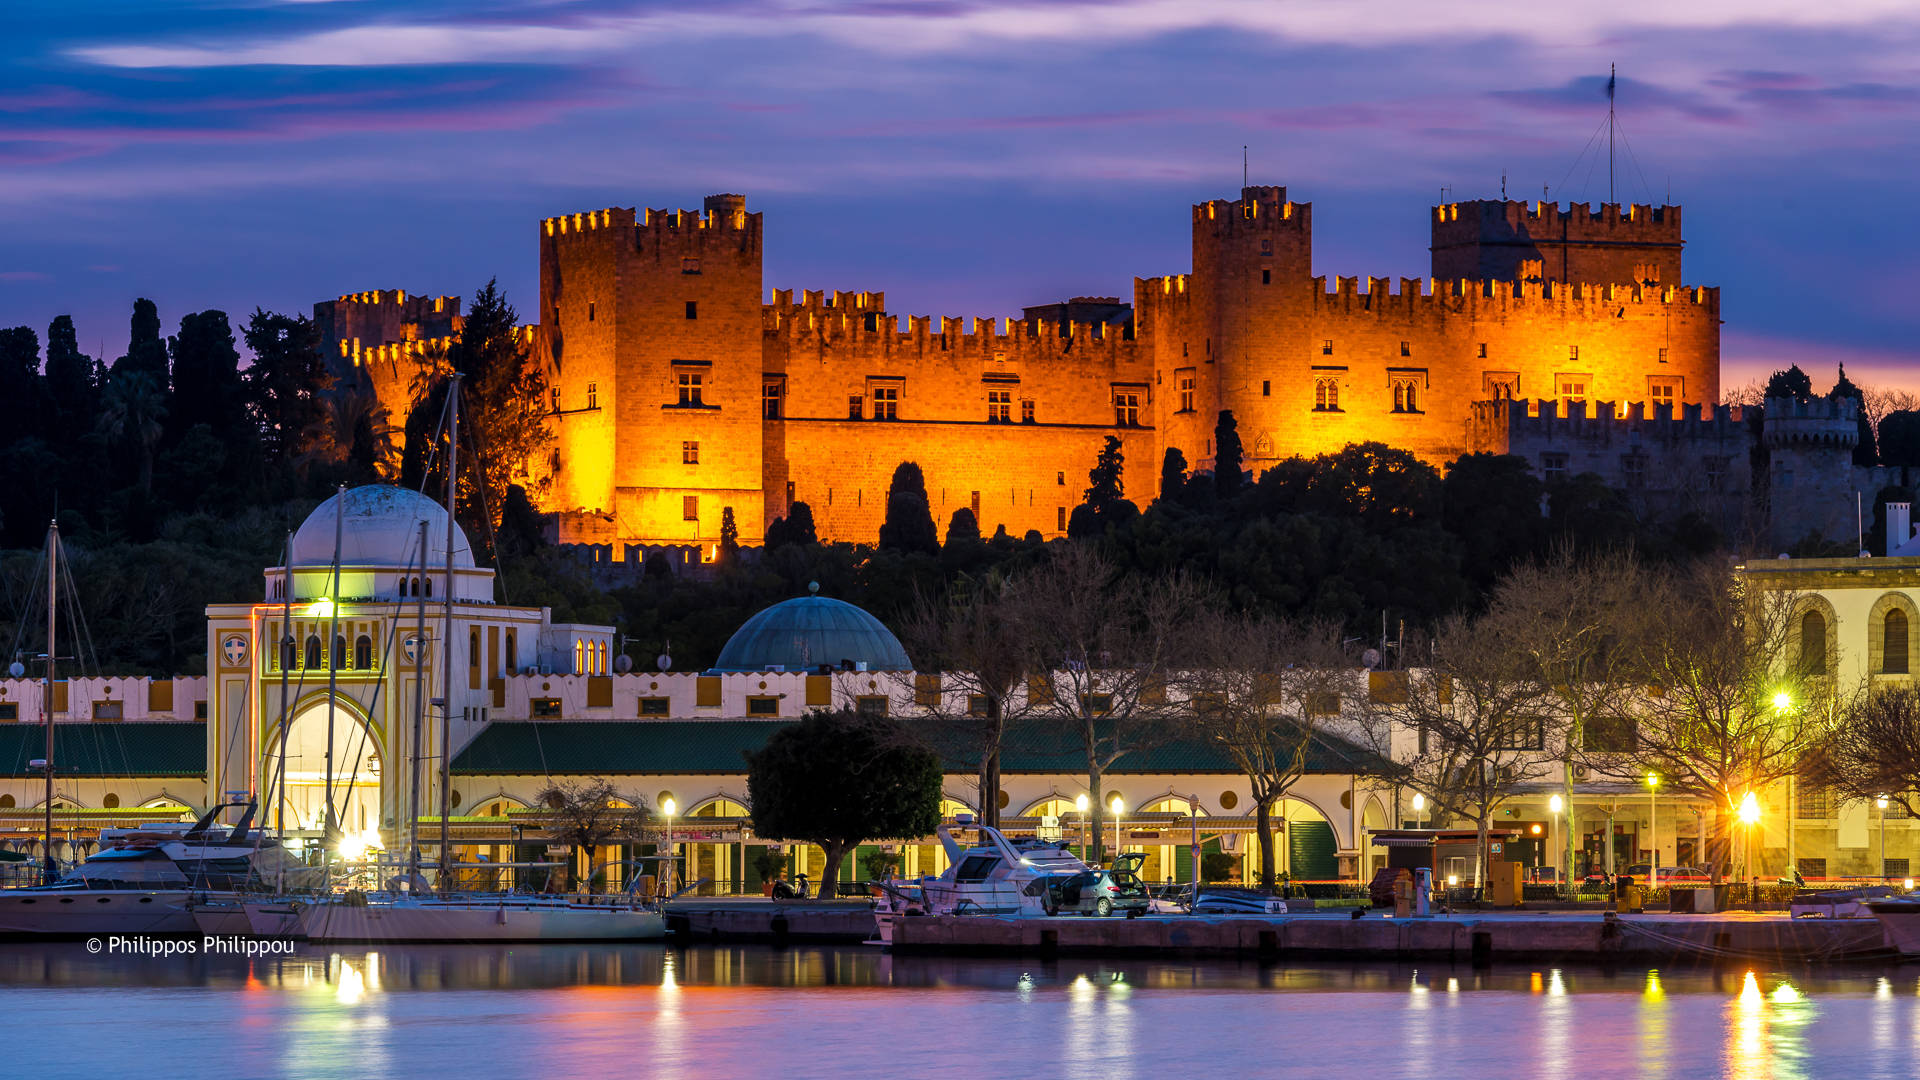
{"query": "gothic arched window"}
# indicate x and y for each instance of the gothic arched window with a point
(1894, 642)
(312, 658)
(363, 653)
(1813, 643)
(339, 658)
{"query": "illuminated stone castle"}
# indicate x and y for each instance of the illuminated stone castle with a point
(678, 391)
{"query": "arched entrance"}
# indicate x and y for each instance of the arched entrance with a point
(355, 770)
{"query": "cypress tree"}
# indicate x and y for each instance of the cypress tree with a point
(1173, 474)
(1226, 455)
(909, 525)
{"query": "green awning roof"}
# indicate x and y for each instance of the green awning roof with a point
(96, 748)
(591, 747)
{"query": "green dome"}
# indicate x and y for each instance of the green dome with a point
(806, 632)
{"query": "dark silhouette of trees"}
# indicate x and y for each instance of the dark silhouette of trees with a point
(1227, 476)
(908, 527)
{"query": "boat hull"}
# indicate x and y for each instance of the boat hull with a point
(78, 913)
(395, 923)
(1901, 921)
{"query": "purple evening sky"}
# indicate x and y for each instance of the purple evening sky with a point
(966, 156)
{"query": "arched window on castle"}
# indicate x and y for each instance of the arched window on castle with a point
(1813, 643)
(1406, 396)
(363, 653)
(1893, 637)
(1326, 395)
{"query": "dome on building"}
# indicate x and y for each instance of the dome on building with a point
(808, 631)
(381, 528)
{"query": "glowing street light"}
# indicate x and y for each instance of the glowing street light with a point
(1116, 806)
(1749, 814)
(1420, 808)
(1653, 828)
(1782, 701)
(1881, 802)
(667, 807)
(1555, 805)
(1080, 804)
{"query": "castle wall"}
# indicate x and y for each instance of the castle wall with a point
(369, 339)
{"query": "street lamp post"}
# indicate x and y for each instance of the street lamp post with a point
(1749, 816)
(667, 807)
(1881, 802)
(1116, 806)
(1555, 805)
(1420, 808)
(1653, 829)
(1080, 804)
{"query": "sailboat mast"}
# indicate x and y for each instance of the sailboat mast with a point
(48, 873)
(446, 646)
(1612, 77)
(333, 647)
(419, 716)
(285, 648)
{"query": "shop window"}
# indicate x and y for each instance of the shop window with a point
(870, 705)
(544, 708)
(656, 706)
(109, 710)
(9, 710)
(763, 706)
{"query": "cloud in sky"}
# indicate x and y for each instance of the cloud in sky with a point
(227, 153)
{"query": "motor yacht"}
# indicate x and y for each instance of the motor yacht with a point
(156, 879)
(1900, 917)
(995, 876)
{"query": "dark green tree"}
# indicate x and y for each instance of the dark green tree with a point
(522, 532)
(909, 525)
(1173, 474)
(21, 405)
(1791, 383)
(729, 554)
(207, 388)
(286, 384)
(963, 528)
(1900, 437)
(502, 413)
(71, 379)
(794, 530)
(133, 411)
(838, 779)
(1227, 476)
(1106, 506)
(1492, 503)
(146, 350)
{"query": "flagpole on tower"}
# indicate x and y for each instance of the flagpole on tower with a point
(1612, 81)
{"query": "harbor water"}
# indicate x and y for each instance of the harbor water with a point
(477, 1012)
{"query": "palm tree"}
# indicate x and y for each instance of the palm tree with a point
(361, 432)
(132, 407)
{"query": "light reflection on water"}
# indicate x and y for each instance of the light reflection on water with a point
(688, 1014)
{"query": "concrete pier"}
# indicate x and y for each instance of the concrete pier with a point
(840, 922)
(1480, 937)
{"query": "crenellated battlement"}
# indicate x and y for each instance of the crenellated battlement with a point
(1549, 419)
(1258, 210)
(722, 219)
(1418, 294)
(858, 323)
(1820, 422)
(1510, 218)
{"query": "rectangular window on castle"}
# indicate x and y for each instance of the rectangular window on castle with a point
(691, 384)
(1633, 469)
(1500, 385)
(1483, 350)
(554, 396)
(1266, 387)
(1406, 348)
(1662, 391)
(593, 395)
(689, 266)
(1716, 473)
(770, 401)
(1573, 389)
(1553, 467)
(689, 453)
(1126, 408)
(1184, 381)
(886, 402)
(1026, 410)
(855, 411)
(1663, 354)
(690, 508)
(693, 309)
(1326, 347)
(999, 406)
(1573, 352)
(1060, 518)
(589, 311)
(1266, 276)
(1326, 394)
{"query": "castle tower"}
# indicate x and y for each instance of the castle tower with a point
(1241, 321)
(654, 330)
(1810, 488)
(1502, 240)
